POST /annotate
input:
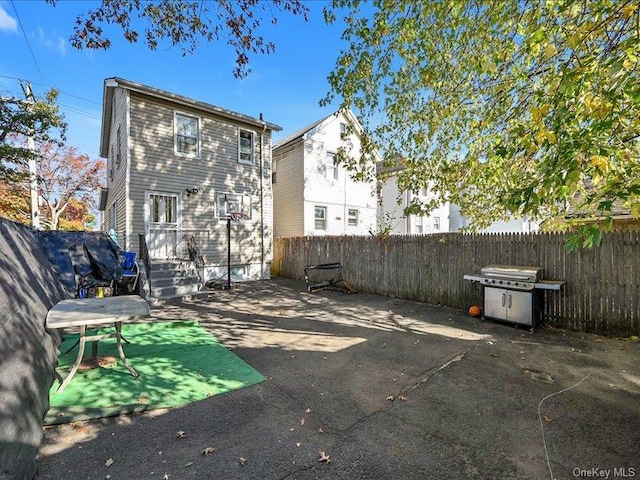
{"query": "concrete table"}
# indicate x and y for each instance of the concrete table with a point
(94, 312)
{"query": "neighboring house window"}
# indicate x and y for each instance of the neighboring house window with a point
(436, 223)
(331, 167)
(418, 224)
(227, 203)
(245, 147)
(424, 192)
(320, 218)
(352, 219)
(343, 131)
(187, 135)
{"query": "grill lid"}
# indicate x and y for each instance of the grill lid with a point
(511, 272)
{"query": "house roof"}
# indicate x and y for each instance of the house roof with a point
(111, 83)
(298, 134)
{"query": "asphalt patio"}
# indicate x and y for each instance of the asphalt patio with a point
(386, 388)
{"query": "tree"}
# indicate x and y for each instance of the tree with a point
(66, 179)
(505, 108)
(67, 187)
(186, 23)
(19, 118)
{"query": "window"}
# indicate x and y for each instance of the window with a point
(320, 218)
(418, 224)
(114, 217)
(245, 147)
(352, 218)
(424, 192)
(274, 170)
(187, 135)
(164, 208)
(343, 131)
(331, 167)
(118, 147)
(436, 223)
(227, 203)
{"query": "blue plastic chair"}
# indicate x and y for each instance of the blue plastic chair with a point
(130, 270)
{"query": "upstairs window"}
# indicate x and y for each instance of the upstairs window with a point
(343, 131)
(436, 223)
(245, 147)
(187, 135)
(330, 167)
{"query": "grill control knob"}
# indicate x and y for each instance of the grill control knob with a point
(500, 282)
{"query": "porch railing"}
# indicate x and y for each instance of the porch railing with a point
(144, 254)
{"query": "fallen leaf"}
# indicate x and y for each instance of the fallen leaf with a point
(384, 344)
(142, 400)
(109, 462)
(298, 444)
(291, 429)
(547, 419)
(188, 464)
(242, 461)
(390, 398)
(308, 410)
(402, 398)
(493, 354)
(208, 450)
(181, 434)
(293, 356)
(416, 343)
(108, 477)
(165, 477)
(320, 430)
(521, 352)
(302, 421)
(324, 457)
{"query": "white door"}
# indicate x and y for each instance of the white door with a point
(162, 225)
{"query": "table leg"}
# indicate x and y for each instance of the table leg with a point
(76, 364)
(121, 351)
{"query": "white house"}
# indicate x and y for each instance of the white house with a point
(445, 218)
(311, 194)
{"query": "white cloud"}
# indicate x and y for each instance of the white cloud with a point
(52, 41)
(7, 22)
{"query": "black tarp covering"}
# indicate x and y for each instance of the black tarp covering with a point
(88, 259)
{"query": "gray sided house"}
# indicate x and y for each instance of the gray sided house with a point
(176, 167)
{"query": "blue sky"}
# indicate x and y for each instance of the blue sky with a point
(285, 86)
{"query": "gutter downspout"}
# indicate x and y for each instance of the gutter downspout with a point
(264, 129)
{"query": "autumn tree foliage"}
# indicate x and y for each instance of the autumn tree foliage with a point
(518, 108)
(186, 24)
(68, 184)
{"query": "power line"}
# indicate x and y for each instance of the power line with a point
(28, 44)
(60, 91)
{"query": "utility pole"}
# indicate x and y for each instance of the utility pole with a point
(33, 175)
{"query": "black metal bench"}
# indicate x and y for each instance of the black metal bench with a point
(334, 281)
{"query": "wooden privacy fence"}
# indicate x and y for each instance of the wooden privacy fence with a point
(602, 293)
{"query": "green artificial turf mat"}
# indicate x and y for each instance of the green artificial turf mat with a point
(177, 362)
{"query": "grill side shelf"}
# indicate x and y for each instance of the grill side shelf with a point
(549, 284)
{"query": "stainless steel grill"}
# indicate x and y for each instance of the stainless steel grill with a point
(512, 293)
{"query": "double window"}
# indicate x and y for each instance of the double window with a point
(352, 218)
(245, 147)
(187, 135)
(320, 216)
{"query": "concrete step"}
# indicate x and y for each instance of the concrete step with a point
(177, 299)
(175, 290)
(170, 265)
(174, 280)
